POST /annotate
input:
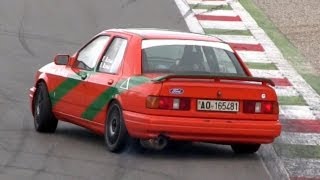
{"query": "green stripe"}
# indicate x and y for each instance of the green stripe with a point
(291, 100)
(63, 89)
(227, 32)
(210, 7)
(297, 151)
(264, 66)
(102, 101)
(99, 103)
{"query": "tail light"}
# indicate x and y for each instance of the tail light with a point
(261, 107)
(169, 103)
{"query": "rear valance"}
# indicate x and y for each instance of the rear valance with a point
(215, 77)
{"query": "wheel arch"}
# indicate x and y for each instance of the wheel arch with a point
(115, 99)
(40, 80)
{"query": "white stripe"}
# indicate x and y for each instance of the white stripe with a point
(299, 138)
(231, 25)
(213, 3)
(200, 11)
(193, 1)
(317, 114)
(165, 42)
(296, 112)
(190, 19)
(308, 168)
(215, 12)
(253, 56)
(266, 73)
(238, 39)
(286, 91)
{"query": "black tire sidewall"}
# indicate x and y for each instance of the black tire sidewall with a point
(46, 120)
(122, 138)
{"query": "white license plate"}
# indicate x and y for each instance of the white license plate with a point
(214, 105)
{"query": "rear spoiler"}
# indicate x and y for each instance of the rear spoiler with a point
(215, 77)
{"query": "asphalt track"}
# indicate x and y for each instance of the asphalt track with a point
(31, 33)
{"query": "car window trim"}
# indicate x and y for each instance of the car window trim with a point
(105, 51)
(236, 63)
(84, 46)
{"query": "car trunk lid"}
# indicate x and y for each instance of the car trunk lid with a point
(230, 93)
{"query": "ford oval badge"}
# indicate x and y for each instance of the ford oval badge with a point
(176, 91)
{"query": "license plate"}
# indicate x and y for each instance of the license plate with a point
(214, 105)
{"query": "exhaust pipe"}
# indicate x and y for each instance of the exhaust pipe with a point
(158, 143)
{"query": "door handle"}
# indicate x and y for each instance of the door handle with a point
(110, 81)
(83, 75)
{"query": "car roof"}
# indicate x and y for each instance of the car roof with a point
(152, 33)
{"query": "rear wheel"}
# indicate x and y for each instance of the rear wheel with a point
(44, 120)
(116, 134)
(245, 148)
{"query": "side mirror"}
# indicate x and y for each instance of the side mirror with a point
(61, 59)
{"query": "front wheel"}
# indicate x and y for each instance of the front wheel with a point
(44, 120)
(116, 134)
(245, 148)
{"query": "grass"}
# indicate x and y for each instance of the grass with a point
(264, 66)
(292, 100)
(227, 32)
(289, 51)
(210, 7)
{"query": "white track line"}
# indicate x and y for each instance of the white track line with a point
(301, 167)
(286, 91)
(296, 112)
(238, 39)
(266, 73)
(191, 21)
(229, 13)
(229, 25)
(273, 163)
(213, 3)
(253, 56)
(299, 138)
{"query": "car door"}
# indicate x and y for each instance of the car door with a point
(74, 90)
(101, 85)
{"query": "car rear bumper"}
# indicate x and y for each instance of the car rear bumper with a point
(199, 129)
(31, 94)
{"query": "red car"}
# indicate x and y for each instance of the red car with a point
(157, 85)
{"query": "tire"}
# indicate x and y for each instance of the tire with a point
(245, 148)
(116, 134)
(44, 120)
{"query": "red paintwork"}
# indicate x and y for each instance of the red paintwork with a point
(217, 18)
(281, 81)
(148, 123)
(301, 125)
(201, 129)
(246, 47)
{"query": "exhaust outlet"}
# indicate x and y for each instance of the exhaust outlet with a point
(158, 143)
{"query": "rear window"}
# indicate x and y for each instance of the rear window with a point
(189, 57)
